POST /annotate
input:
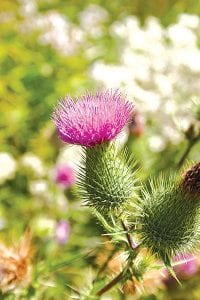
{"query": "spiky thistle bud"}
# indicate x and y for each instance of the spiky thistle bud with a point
(168, 222)
(191, 181)
(106, 178)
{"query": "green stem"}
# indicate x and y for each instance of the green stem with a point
(111, 284)
(189, 147)
(106, 263)
(131, 243)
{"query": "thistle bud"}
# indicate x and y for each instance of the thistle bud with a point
(106, 179)
(191, 181)
(170, 224)
(136, 124)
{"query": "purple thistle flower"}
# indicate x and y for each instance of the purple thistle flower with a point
(62, 232)
(64, 176)
(92, 119)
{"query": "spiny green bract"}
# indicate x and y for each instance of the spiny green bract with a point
(106, 178)
(169, 222)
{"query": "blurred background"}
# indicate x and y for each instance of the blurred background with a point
(50, 48)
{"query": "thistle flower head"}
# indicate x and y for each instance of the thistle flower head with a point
(15, 265)
(191, 180)
(93, 118)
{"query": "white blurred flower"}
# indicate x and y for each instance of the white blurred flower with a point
(139, 64)
(189, 58)
(156, 143)
(181, 36)
(153, 29)
(3, 223)
(70, 155)
(191, 21)
(111, 76)
(55, 30)
(8, 166)
(28, 7)
(172, 134)
(59, 32)
(164, 84)
(45, 224)
(159, 68)
(92, 18)
(33, 163)
(38, 187)
(118, 29)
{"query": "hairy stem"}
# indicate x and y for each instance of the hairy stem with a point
(112, 283)
(131, 243)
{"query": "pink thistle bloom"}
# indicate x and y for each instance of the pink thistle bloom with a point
(64, 176)
(62, 232)
(92, 119)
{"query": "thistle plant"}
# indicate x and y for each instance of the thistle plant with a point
(106, 176)
(163, 218)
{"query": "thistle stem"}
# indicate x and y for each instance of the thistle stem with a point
(105, 263)
(189, 147)
(131, 243)
(112, 283)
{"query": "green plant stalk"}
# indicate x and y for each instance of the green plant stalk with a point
(106, 263)
(185, 154)
(111, 284)
(130, 240)
(134, 247)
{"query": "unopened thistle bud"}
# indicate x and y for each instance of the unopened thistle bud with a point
(168, 223)
(136, 125)
(106, 178)
(191, 181)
